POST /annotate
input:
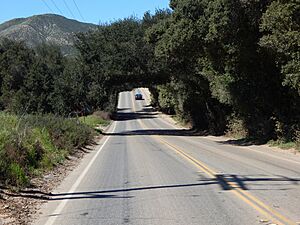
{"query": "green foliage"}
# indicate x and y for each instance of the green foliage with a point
(204, 61)
(166, 99)
(117, 58)
(34, 143)
(281, 28)
(283, 145)
(111, 56)
(93, 121)
(15, 62)
(42, 81)
(17, 175)
(39, 88)
(223, 52)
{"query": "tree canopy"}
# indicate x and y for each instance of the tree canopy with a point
(217, 64)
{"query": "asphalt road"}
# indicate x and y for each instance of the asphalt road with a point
(147, 171)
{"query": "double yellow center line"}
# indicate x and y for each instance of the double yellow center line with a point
(251, 200)
(267, 211)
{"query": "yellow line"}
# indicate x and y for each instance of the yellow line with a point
(202, 166)
(256, 203)
(236, 189)
(263, 212)
(268, 208)
(248, 198)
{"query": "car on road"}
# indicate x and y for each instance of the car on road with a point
(138, 96)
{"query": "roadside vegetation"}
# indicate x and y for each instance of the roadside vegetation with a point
(96, 120)
(33, 144)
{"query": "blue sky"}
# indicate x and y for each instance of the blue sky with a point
(93, 11)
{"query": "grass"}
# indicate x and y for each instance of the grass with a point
(93, 121)
(284, 145)
(32, 144)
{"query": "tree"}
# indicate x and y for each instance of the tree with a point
(39, 91)
(281, 28)
(117, 58)
(15, 62)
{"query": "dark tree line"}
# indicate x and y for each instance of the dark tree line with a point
(217, 64)
(232, 60)
(43, 81)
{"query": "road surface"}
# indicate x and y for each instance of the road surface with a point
(147, 171)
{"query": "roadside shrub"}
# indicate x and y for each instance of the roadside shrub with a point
(17, 175)
(95, 120)
(32, 143)
(236, 128)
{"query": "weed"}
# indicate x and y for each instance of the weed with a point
(34, 143)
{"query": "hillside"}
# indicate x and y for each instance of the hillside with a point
(47, 28)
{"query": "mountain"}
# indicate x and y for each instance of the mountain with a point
(47, 28)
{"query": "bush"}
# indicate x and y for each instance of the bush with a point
(33, 143)
(236, 128)
(98, 118)
(17, 175)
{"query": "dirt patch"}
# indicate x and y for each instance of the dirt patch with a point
(19, 207)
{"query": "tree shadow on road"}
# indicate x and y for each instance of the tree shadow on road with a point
(244, 142)
(159, 132)
(125, 116)
(226, 182)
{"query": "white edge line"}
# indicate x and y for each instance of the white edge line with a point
(63, 203)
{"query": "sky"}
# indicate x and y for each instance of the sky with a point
(90, 11)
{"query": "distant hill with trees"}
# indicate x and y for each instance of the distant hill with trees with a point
(47, 28)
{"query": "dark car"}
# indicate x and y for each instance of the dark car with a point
(138, 96)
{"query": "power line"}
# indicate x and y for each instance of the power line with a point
(70, 11)
(48, 6)
(57, 7)
(78, 10)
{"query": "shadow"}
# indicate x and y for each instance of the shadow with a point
(124, 116)
(225, 181)
(126, 190)
(84, 150)
(150, 113)
(243, 142)
(222, 182)
(48, 197)
(239, 181)
(160, 132)
(90, 195)
(38, 196)
(99, 131)
(96, 194)
(148, 110)
(123, 109)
